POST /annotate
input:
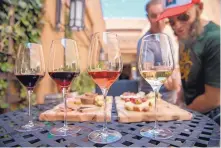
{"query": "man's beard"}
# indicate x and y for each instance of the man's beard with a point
(194, 32)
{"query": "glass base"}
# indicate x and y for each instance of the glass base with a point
(31, 126)
(104, 137)
(158, 133)
(65, 131)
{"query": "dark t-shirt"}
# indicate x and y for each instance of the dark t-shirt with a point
(200, 63)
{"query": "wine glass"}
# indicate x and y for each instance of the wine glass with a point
(63, 67)
(156, 64)
(104, 66)
(29, 70)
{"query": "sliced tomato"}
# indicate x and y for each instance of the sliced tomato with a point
(144, 99)
(133, 100)
(127, 99)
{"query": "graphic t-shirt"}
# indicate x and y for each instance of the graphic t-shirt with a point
(200, 63)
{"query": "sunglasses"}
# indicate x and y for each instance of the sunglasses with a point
(153, 16)
(182, 17)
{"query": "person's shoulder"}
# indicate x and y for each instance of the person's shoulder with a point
(212, 33)
(140, 39)
(212, 37)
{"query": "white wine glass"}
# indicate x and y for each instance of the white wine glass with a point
(156, 64)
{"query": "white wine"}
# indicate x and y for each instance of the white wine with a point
(156, 77)
(161, 75)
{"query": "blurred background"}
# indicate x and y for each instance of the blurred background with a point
(42, 21)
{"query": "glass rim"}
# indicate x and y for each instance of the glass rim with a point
(154, 34)
(59, 40)
(106, 32)
(26, 44)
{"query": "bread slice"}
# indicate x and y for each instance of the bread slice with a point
(166, 112)
(75, 112)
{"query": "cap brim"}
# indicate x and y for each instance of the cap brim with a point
(174, 11)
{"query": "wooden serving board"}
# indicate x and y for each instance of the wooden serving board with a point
(78, 113)
(166, 112)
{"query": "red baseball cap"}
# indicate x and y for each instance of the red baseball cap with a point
(176, 7)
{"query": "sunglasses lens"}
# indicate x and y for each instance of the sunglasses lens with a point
(183, 17)
(172, 23)
(153, 16)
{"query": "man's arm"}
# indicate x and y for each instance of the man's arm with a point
(208, 101)
(211, 97)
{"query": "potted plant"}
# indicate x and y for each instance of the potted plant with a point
(83, 83)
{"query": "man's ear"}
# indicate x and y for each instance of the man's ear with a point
(147, 15)
(201, 6)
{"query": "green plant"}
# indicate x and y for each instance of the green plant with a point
(21, 21)
(6, 67)
(83, 83)
(3, 87)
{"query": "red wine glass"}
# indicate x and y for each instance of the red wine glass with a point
(29, 69)
(104, 66)
(63, 68)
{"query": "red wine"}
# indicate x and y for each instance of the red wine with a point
(63, 79)
(104, 79)
(29, 81)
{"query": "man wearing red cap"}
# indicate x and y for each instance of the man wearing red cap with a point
(199, 55)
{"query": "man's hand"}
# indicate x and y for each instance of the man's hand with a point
(208, 101)
(174, 81)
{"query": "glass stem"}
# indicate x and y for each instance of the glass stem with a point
(105, 91)
(65, 107)
(155, 106)
(29, 108)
